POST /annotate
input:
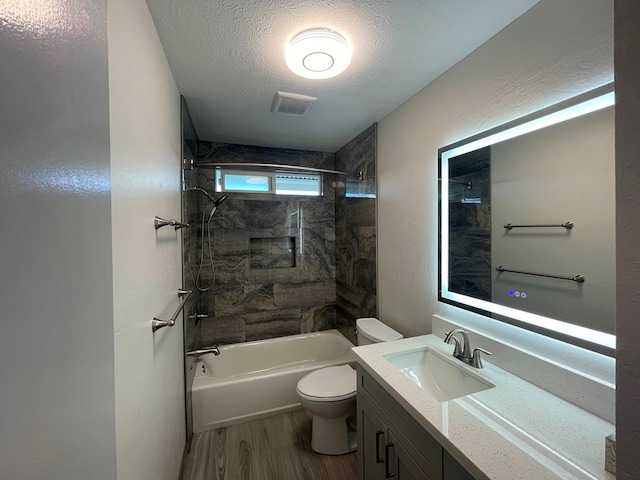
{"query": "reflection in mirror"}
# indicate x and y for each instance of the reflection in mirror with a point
(527, 222)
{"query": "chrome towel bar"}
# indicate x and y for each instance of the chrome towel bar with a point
(575, 278)
(157, 323)
(567, 225)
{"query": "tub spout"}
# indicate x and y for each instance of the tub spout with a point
(203, 351)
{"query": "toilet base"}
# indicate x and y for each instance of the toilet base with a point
(332, 436)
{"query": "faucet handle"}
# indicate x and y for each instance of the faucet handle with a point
(476, 361)
(457, 349)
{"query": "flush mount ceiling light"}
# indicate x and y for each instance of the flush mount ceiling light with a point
(318, 54)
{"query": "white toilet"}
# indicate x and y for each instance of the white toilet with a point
(330, 395)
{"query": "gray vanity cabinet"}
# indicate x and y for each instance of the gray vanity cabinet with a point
(393, 445)
(384, 457)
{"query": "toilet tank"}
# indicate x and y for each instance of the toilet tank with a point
(372, 330)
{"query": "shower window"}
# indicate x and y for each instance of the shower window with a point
(280, 183)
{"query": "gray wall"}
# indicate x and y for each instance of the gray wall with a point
(56, 346)
(627, 62)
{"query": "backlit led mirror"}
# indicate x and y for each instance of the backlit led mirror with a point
(527, 222)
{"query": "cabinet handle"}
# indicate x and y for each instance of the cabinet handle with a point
(387, 455)
(379, 458)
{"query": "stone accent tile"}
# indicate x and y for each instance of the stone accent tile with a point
(232, 241)
(274, 252)
(346, 326)
(312, 241)
(367, 242)
(330, 295)
(350, 300)
(269, 214)
(300, 295)
(359, 155)
(222, 331)
(272, 261)
(229, 214)
(228, 270)
(315, 268)
(274, 275)
(360, 211)
(315, 319)
(365, 275)
(318, 214)
(272, 324)
(240, 299)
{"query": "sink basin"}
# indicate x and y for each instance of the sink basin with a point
(439, 376)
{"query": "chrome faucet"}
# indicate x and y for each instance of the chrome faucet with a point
(203, 351)
(463, 353)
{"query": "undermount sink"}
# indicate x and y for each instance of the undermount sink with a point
(440, 377)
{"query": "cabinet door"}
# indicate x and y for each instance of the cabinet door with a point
(453, 470)
(372, 438)
(400, 464)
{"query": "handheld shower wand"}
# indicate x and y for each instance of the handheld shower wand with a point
(214, 207)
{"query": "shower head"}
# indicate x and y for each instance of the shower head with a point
(215, 205)
(220, 200)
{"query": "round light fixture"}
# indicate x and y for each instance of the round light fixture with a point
(317, 54)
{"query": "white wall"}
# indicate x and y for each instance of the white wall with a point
(145, 171)
(554, 51)
(627, 17)
(56, 344)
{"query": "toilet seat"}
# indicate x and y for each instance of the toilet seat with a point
(330, 384)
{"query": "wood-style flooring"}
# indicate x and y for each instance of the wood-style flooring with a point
(272, 448)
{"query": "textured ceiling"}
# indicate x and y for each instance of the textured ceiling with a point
(227, 57)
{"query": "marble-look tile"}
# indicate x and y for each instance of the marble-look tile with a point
(317, 214)
(358, 211)
(233, 241)
(272, 324)
(365, 274)
(229, 214)
(315, 319)
(359, 154)
(350, 300)
(271, 286)
(283, 275)
(276, 213)
(300, 295)
(222, 331)
(228, 270)
(313, 268)
(240, 299)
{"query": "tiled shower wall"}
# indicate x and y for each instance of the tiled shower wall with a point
(276, 258)
(356, 233)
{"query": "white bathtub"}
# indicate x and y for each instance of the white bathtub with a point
(255, 379)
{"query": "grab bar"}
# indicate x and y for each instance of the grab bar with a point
(567, 225)
(157, 324)
(575, 278)
(161, 222)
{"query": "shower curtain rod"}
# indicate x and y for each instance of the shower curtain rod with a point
(273, 165)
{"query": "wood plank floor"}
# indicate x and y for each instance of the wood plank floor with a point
(272, 448)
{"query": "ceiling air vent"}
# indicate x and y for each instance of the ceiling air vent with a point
(292, 104)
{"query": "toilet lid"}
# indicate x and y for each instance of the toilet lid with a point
(330, 383)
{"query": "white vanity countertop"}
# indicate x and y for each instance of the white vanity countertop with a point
(513, 431)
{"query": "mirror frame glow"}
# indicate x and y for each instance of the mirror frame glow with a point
(592, 101)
